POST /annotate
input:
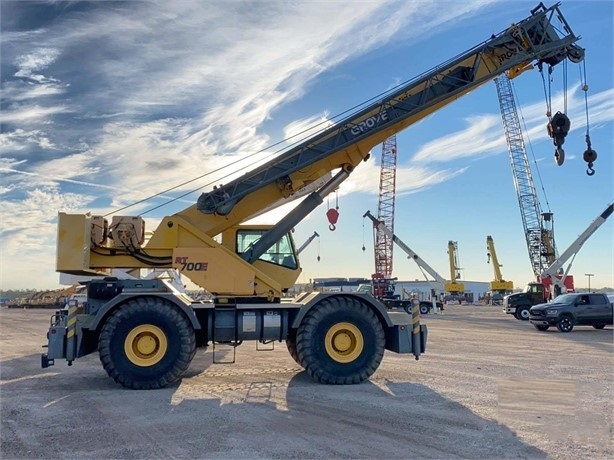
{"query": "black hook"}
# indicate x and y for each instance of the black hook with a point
(589, 156)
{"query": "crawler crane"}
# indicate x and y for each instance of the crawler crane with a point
(146, 333)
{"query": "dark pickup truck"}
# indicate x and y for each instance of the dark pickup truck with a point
(569, 310)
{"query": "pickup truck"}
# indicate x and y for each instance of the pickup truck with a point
(569, 310)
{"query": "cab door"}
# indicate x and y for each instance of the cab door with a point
(601, 310)
(583, 309)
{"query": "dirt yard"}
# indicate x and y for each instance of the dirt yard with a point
(489, 386)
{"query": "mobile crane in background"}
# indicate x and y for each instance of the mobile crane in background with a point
(498, 286)
(519, 304)
(146, 332)
(438, 285)
(308, 242)
(453, 287)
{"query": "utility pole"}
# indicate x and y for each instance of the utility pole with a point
(589, 280)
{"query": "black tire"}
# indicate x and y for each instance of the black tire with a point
(340, 341)
(146, 343)
(522, 313)
(424, 309)
(565, 324)
(291, 344)
(598, 326)
(541, 327)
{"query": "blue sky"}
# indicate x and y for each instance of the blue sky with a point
(106, 103)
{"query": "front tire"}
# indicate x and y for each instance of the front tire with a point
(146, 343)
(598, 326)
(522, 313)
(340, 341)
(424, 309)
(565, 324)
(541, 327)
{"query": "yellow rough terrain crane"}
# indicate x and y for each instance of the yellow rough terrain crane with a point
(454, 287)
(498, 286)
(146, 332)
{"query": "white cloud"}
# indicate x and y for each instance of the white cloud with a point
(21, 139)
(484, 133)
(37, 60)
(29, 113)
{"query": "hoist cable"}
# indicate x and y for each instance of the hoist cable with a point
(582, 70)
(565, 86)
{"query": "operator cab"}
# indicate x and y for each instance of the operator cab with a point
(280, 261)
(281, 253)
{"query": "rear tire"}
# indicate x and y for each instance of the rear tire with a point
(541, 327)
(598, 326)
(146, 343)
(424, 309)
(340, 341)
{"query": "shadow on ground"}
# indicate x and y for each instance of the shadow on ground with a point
(274, 413)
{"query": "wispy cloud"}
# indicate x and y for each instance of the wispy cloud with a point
(483, 134)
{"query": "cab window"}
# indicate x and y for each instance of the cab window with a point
(280, 253)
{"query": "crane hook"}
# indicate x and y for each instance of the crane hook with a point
(559, 156)
(589, 156)
(332, 214)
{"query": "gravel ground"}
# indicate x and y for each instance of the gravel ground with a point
(489, 386)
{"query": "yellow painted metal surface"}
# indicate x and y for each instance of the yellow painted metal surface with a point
(344, 342)
(145, 345)
(73, 244)
(454, 287)
(501, 285)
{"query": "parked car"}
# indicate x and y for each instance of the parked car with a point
(569, 310)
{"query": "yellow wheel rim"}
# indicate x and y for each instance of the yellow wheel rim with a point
(344, 342)
(145, 345)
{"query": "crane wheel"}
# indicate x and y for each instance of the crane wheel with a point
(340, 341)
(146, 343)
(291, 344)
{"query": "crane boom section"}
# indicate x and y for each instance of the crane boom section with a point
(538, 229)
(493, 256)
(454, 286)
(348, 142)
(574, 247)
